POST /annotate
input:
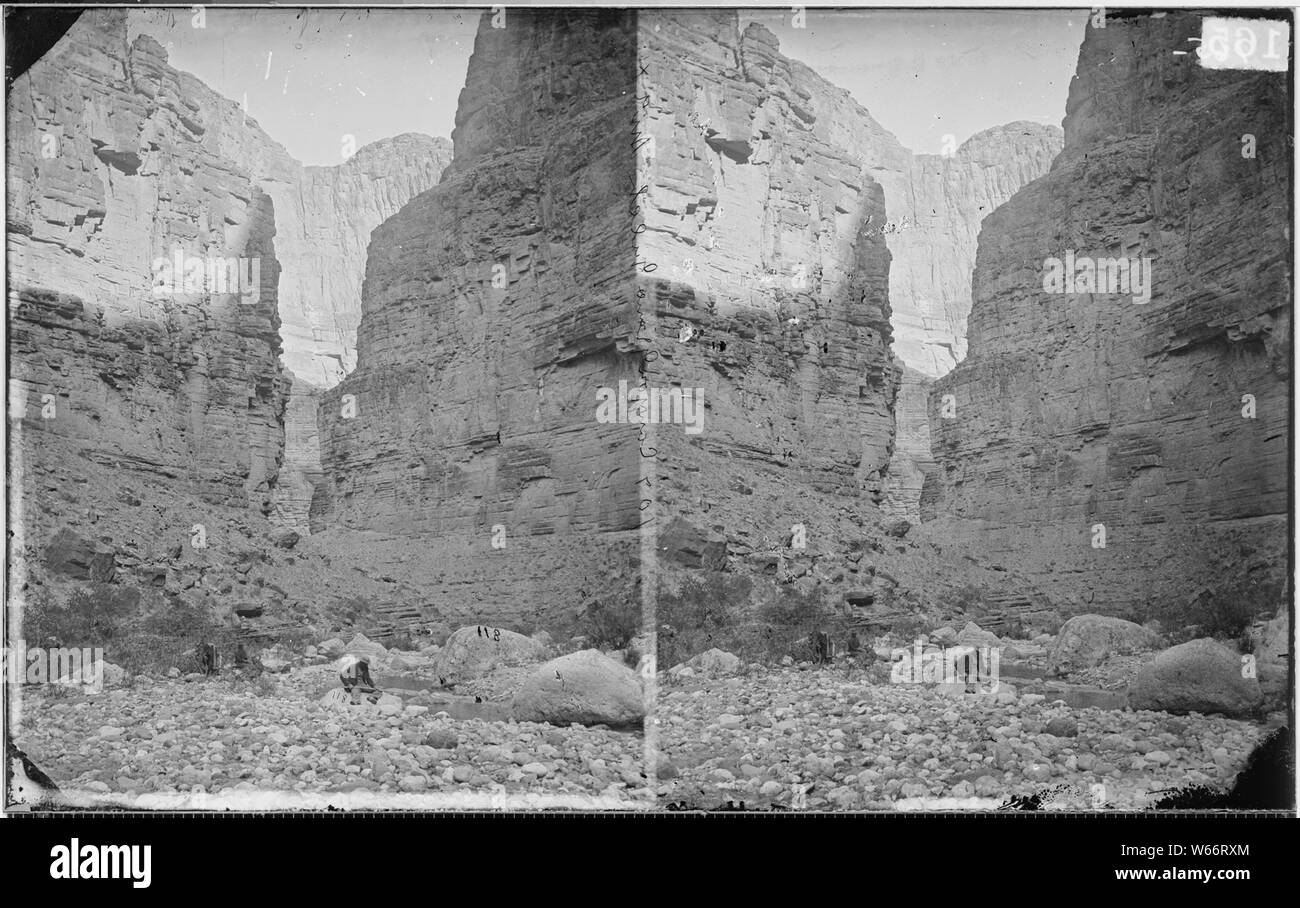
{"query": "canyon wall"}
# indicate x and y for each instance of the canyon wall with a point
(494, 307)
(932, 242)
(759, 219)
(136, 414)
(173, 410)
(766, 268)
(1165, 422)
(326, 216)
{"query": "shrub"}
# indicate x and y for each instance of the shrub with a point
(612, 620)
(968, 599)
(93, 616)
(167, 636)
(701, 614)
(756, 622)
(401, 640)
(1226, 612)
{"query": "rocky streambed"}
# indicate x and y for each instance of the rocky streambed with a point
(830, 738)
(209, 742)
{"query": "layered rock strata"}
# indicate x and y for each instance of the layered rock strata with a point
(770, 292)
(766, 266)
(494, 307)
(150, 425)
(126, 384)
(932, 242)
(1161, 421)
(324, 231)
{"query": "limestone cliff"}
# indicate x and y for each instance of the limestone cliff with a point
(494, 307)
(1078, 409)
(759, 221)
(326, 216)
(766, 264)
(933, 243)
(122, 379)
(169, 406)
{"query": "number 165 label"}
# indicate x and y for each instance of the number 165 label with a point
(1262, 44)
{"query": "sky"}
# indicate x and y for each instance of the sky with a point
(313, 76)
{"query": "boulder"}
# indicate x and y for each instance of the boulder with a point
(688, 545)
(472, 652)
(1201, 676)
(285, 539)
(944, 636)
(336, 698)
(274, 664)
(367, 649)
(897, 527)
(715, 663)
(442, 738)
(79, 558)
(586, 687)
(332, 647)
(1088, 640)
(1063, 727)
(974, 635)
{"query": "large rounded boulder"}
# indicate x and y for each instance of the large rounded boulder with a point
(1202, 676)
(1088, 640)
(715, 663)
(373, 652)
(473, 652)
(586, 687)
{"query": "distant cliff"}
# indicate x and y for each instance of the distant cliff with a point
(326, 216)
(933, 247)
(774, 206)
(1165, 422)
(143, 407)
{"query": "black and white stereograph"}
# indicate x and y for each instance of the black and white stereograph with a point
(516, 408)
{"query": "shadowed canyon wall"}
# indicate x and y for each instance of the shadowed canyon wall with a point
(942, 206)
(137, 414)
(1076, 410)
(326, 216)
(493, 308)
(172, 410)
(767, 270)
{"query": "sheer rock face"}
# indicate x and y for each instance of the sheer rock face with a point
(173, 410)
(124, 394)
(1079, 409)
(494, 307)
(933, 247)
(326, 217)
(140, 111)
(762, 217)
